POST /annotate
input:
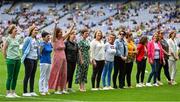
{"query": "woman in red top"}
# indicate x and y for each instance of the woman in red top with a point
(141, 60)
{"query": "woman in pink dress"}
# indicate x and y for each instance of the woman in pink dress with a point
(58, 75)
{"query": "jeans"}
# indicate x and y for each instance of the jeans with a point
(141, 66)
(166, 71)
(107, 71)
(30, 71)
(119, 69)
(155, 67)
(96, 75)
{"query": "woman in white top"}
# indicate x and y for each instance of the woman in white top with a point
(173, 55)
(97, 58)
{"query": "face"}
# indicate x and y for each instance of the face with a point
(85, 35)
(174, 35)
(156, 37)
(14, 31)
(129, 37)
(98, 35)
(111, 39)
(60, 33)
(46, 38)
(35, 32)
(121, 35)
(73, 36)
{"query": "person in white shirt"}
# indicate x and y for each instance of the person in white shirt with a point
(173, 57)
(110, 52)
(97, 58)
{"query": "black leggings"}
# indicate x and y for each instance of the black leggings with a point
(119, 68)
(96, 75)
(141, 66)
(70, 72)
(129, 67)
(30, 71)
(166, 71)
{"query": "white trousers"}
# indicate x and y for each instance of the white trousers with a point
(44, 77)
(172, 69)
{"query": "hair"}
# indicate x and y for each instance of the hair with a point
(97, 32)
(11, 28)
(112, 35)
(44, 34)
(143, 40)
(57, 30)
(70, 35)
(31, 29)
(170, 34)
(83, 31)
(128, 34)
(122, 31)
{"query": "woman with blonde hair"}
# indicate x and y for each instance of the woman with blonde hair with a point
(12, 55)
(173, 55)
(97, 58)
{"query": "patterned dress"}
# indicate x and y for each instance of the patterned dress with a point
(58, 75)
(82, 69)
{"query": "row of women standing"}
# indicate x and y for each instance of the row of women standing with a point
(120, 53)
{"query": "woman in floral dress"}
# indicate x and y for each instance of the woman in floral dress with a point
(83, 63)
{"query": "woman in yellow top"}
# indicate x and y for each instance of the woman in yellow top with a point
(130, 58)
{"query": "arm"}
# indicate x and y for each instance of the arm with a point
(54, 35)
(92, 51)
(69, 32)
(5, 49)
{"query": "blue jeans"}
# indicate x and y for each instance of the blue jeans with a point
(107, 71)
(155, 67)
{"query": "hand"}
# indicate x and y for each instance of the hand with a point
(55, 21)
(150, 61)
(164, 62)
(94, 63)
(81, 61)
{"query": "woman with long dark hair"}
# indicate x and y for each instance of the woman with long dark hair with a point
(58, 74)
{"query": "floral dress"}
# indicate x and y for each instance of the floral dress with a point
(82, 69)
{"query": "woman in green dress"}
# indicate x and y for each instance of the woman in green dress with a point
(84, 59)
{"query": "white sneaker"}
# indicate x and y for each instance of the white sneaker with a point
(33, 94)
(15, 95)
(58, 92)
(174, 83)
(159, 83)
(94, 89)
(9, 95)
(142, 84)
(70, 90)
(148, 84)
(155, 84)
(65, 92)
(138, 85)
(105, 88)
(110, 88)
(26, 94)
(43, 93)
